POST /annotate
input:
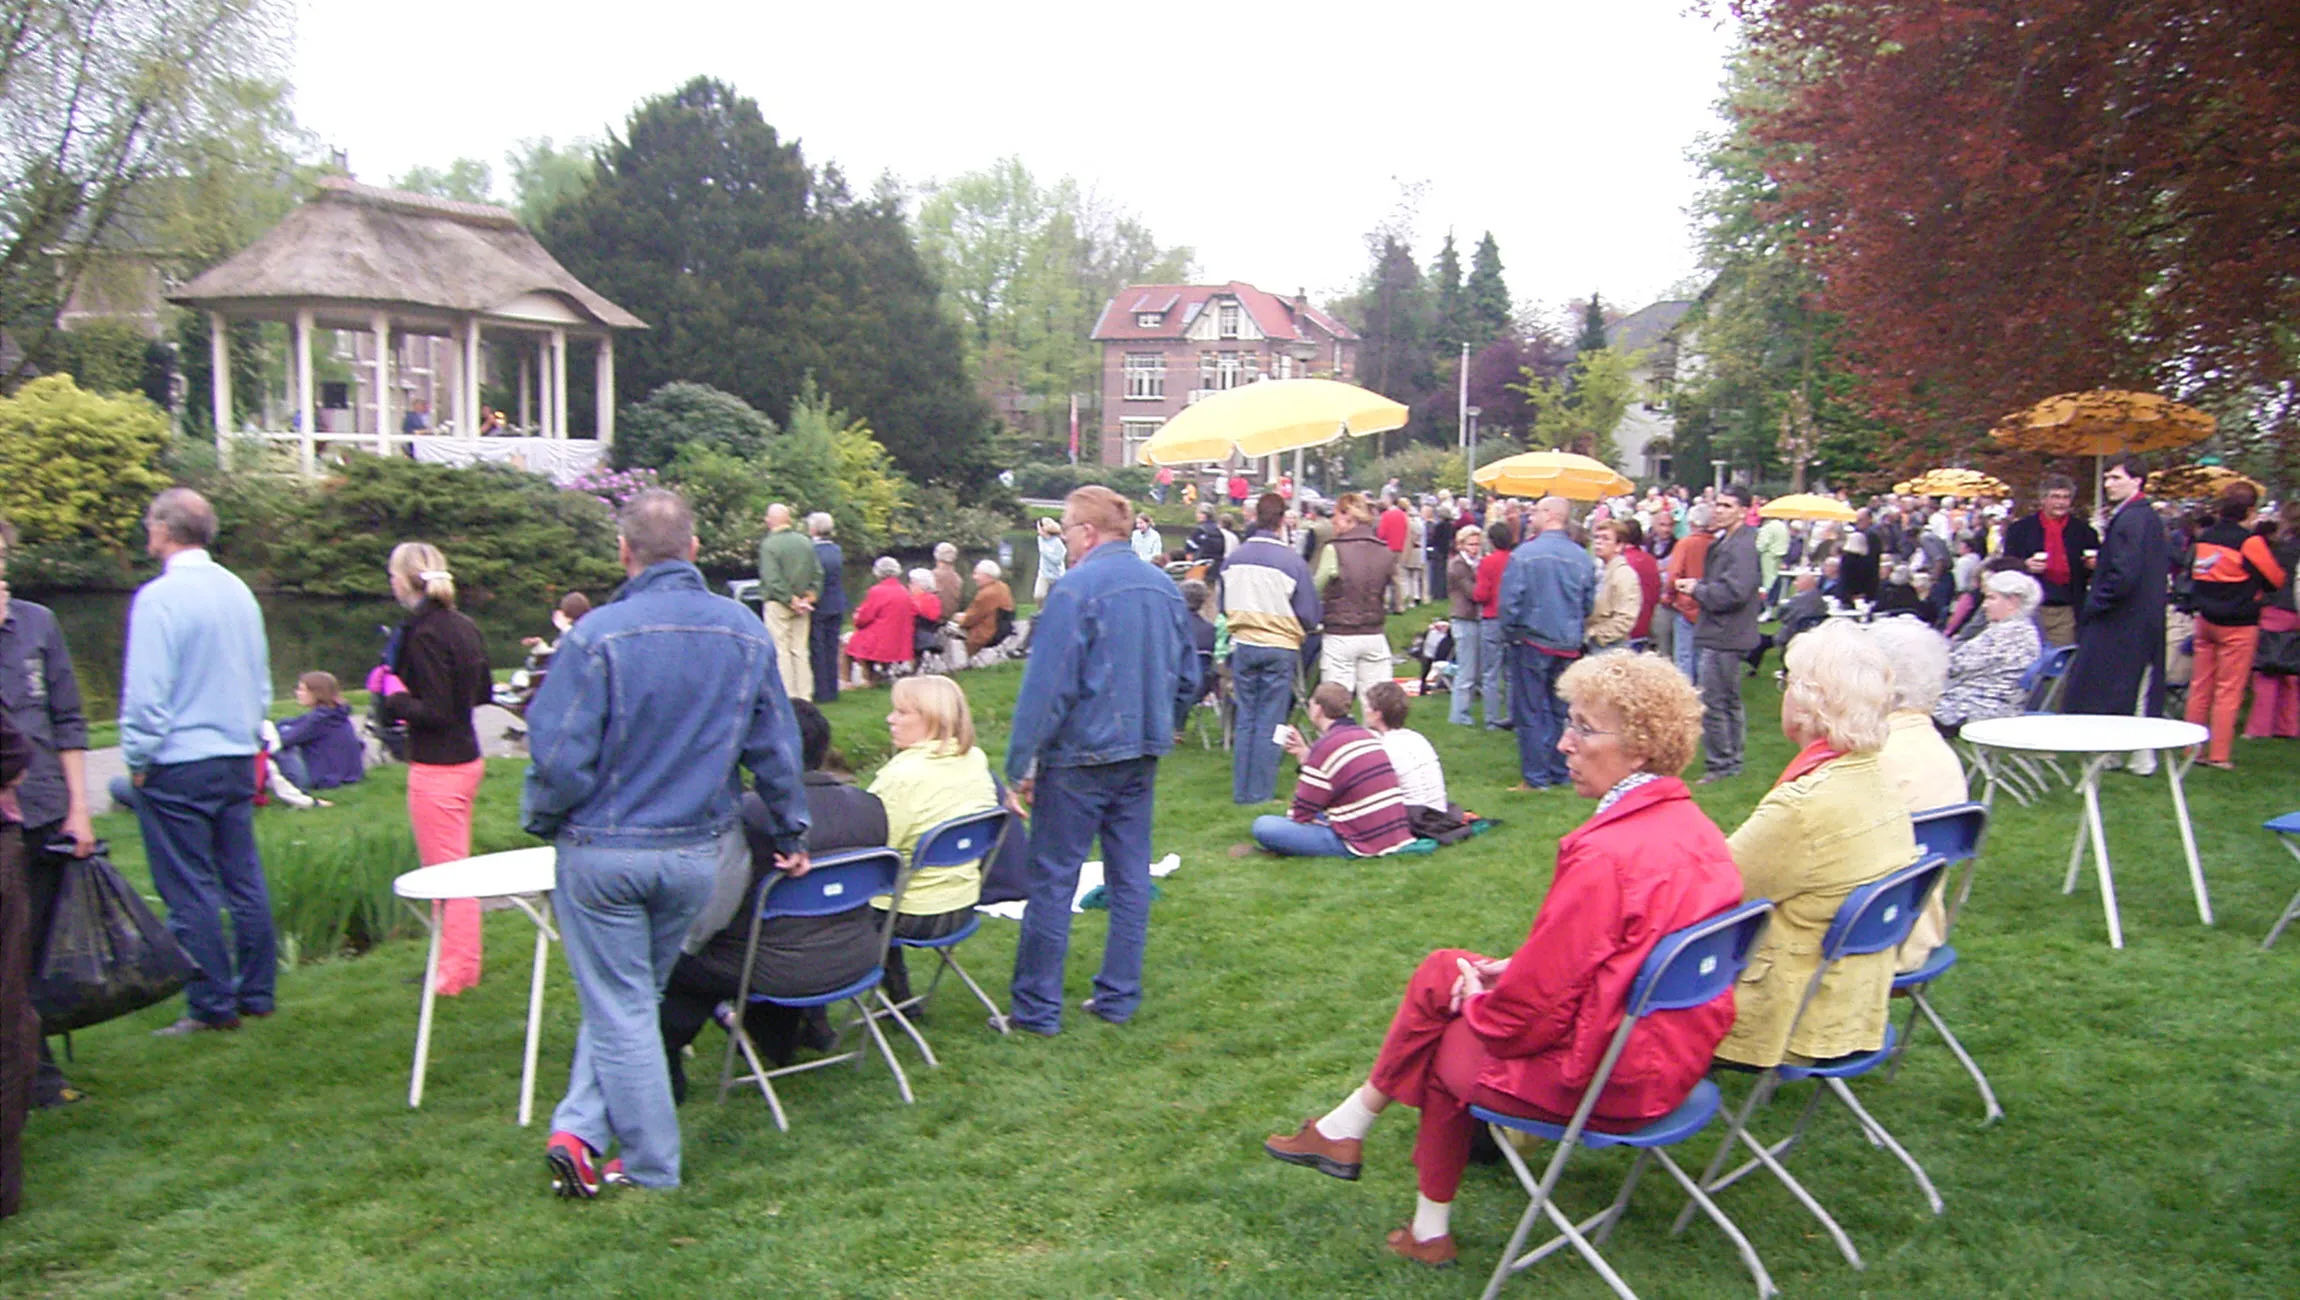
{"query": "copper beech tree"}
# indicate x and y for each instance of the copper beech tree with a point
(2004, 199)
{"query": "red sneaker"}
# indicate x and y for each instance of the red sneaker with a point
(572, 1174)
(611, 1174)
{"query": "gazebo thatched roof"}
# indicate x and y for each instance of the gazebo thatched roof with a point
(362, 244)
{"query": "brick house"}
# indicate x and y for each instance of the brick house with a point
(1165, 346)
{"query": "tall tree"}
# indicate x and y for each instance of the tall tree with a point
(1592, 336)
(1450, 306)
(1488, 306)
(1394, 310)
(466, 179)
(139, 123)
(2007, 201)
(756, 271)
(544, 174)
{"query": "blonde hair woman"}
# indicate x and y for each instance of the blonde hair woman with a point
(436, 674)
(1831, 824)
(937, 773)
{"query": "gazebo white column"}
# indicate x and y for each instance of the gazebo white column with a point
(603, 389)
(305, 415)
(558, 383)
(382, 384)
(467, 392)
(523, 408)
(220, 379)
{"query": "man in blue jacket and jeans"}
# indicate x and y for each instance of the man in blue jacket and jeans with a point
(656, 703)
(1546, 594)
(1110, 660)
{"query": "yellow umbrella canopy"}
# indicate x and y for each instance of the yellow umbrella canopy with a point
(1272, 416)
(1954, 482)
(1552, 473)
(2103, 422)
(2196, 482)
(1806, 505)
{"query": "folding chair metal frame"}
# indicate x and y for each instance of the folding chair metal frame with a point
(1954, 833)
(2287, 832)
(1716, 949)
(2022, 775)
(832, 876)
(968, 838)
(1875, 918)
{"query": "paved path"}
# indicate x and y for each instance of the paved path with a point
(490, 722)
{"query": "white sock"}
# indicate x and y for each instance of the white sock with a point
(1349, 1120)
(1432, 1219)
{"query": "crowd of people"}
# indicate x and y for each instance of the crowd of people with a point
(1614, 643)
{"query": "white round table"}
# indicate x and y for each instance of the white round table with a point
(526, 877)
(2103, 736)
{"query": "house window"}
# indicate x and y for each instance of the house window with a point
(1229, 319)
(1132, 433)
(1145, 376)
(1282, 367)
(1229, 371)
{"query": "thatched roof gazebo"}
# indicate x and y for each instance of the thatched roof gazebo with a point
(394, 264)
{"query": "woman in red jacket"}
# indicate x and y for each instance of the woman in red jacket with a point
(1524, 1034)
(883, 622)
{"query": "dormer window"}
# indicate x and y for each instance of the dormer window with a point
(1148, 319)
(1229, 320)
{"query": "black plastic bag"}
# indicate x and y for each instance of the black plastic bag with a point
(107, 955)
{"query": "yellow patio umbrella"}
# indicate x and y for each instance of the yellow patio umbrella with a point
(1272, 416)
(1552, 473)
(1954, 482)
(1806, 505)
(2196, 482)
(2101, 423)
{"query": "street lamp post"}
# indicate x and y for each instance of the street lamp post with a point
(1469, 487)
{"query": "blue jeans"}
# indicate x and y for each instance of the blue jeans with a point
(199, 827)
(1299, 839)
(1466, 679)
(1261, 695)
(1724, 726)
(291, 764)
(1538, 712)
(1688, 657)
(1070, 807)
(1490, 659)
(823, 654)
(622, 914)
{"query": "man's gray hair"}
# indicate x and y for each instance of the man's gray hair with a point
(1698, 516)
(986, 568)
(885, 566)
(922, 578)
(820, 524)
(185, 516)
(657, 526)
(1920, 661)
(945, 553)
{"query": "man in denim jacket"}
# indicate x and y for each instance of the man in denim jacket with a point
(1110, 659)
(655, 703)
(1546, 595)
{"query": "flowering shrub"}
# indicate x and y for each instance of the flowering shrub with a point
(613, 487)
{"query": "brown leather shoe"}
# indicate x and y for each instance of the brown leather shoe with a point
(1319, 1152)
(1437, 1252)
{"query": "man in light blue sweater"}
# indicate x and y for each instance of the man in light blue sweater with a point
(192, 706)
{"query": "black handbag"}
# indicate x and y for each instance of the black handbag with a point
(106, 955)
(2278, 654)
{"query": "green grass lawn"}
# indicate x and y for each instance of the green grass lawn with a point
(2149, 1147)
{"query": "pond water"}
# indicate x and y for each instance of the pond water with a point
(344, 636)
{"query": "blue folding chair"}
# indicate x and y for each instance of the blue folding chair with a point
(1688, 968)
(2287, 832)
(960, 840)
(1874, 918)
(1954, 834)
(840, 882)
(2022, 775)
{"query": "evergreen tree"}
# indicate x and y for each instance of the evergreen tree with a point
(1592, 336)
(755, 270)
(1451, 318)
(1488, 298)
(1394, 308)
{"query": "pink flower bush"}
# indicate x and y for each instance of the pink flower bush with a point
(613, 487)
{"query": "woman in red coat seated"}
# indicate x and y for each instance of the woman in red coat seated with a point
(882, 635)
(1524, 1034)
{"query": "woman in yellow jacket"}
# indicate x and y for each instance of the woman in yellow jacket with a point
(1832, 823)
(936, 774)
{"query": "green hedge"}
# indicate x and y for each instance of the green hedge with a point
(1059, 480)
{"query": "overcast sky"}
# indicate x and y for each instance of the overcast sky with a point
(1268, 138)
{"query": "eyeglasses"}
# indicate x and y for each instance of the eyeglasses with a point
(1580, 729)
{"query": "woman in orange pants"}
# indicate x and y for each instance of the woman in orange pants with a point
(439, 674)
(2234, 570)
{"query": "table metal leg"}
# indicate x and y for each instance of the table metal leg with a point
(2100, 856)
(2173, 770)
(2087, 783)
(540, 913)
(423, 1017)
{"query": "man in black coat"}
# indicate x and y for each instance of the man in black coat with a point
(2120, 628)
(2051, 546)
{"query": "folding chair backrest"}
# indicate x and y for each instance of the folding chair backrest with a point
(959, 840)
(840, 882)
(2036, 681)
(1690, 967)
(1952, 832)
(1879, 915)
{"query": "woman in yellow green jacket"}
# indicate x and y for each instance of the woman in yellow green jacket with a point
(1832, 823)
(937, 773)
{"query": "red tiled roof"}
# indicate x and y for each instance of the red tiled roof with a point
(1179, 305)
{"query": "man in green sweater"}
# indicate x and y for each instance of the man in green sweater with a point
(789, 577)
